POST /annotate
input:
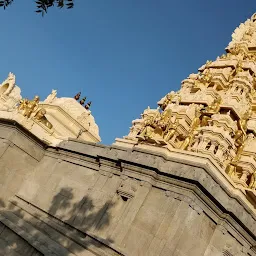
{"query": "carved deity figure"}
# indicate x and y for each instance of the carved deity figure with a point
(252, 184)
(40, 116)
(240, 135)
(248, 34)
(170, 130)
(31, 106)
(162, 123)
(194, 125)
(168, 99)
(148, 127)
(155, 126)
(187, 141)
(231, 168)
(235, 50)
(204, 78)
(210, 110)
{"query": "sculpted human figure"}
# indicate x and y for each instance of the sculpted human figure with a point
(148, 127)
(194, 125)
(40, 116)
(162, 123)
(214, 108)
(240, 135)
(154, 126)
(170, 130)
(231, 168)
(168, 99)
(252, 184)
(31, 106)
(204, 78)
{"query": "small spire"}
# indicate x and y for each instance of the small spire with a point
(87, 106)
(77, 96)
(82, 101)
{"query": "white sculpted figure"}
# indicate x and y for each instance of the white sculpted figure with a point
(8, 85)
(51, 96)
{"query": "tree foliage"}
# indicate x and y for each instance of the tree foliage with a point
(43, 5)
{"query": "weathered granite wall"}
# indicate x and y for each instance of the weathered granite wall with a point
(88, 199)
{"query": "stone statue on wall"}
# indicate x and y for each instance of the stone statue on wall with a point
(29, 106)
(154, 127)
(240, 135)
(40, 116)
(170, 130)
(210, 110)
(192, 130)
(204, 78)
(168, 100)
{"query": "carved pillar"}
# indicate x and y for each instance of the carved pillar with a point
(212, 147)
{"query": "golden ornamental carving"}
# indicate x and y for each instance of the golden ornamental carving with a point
(27, 107)
(213, 112)
(154, 127)
(210, 110)
(40, 116)
(31, 107)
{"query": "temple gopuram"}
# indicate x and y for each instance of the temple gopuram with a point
(182, 182)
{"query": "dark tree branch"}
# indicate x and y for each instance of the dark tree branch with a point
(43, 5)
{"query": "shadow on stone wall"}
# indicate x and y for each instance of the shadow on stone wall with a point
(57, 225)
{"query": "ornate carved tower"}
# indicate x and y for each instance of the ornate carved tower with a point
(212, 116)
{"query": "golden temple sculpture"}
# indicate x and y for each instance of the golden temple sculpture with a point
(40, 116)
(213, 114)
(29, 106)
(52, 120)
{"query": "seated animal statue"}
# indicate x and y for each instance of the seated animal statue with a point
(40, 116)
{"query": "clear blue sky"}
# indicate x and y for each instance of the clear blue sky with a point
(124, 55)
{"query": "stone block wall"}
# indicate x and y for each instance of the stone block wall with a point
(87, 199)
(13, 244)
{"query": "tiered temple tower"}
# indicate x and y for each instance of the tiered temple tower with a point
(213, 115)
